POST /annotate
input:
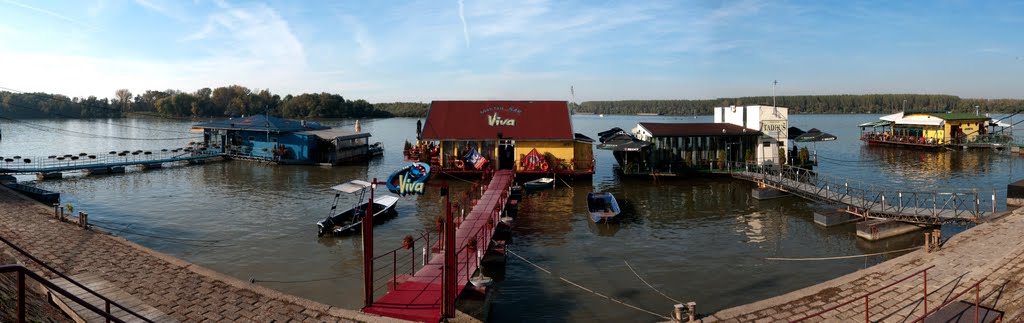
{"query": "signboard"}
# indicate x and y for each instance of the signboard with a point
(494, 119)
(774, 127)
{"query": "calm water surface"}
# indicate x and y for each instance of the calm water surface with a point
(704, 240)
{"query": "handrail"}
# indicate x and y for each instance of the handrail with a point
(62, 275)
(865, 296)
(22, 272)
(953, 204)
(977, 301)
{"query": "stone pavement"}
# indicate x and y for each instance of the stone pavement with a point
(992, 251)
(185, 291)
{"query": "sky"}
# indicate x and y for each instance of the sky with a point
(418, 51)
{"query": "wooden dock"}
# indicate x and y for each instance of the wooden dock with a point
(101, 163)
(418, 297)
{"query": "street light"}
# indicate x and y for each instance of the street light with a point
(904, 105)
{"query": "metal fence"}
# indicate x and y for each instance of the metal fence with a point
(868, 199)
(113, 158)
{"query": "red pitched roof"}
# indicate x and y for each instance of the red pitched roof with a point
(696, 129)
(483, 120)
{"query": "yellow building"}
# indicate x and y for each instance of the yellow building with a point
(930, 129)
(525, 136)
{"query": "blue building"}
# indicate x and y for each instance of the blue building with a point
(263, 137)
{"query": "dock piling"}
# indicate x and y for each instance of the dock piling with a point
(692, 308)
(678, 313)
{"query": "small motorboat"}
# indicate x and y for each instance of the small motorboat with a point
(602, 207)
(413, 174)
(540, 183)
(349, 221)
(376, 149)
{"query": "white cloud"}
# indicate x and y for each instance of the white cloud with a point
(361, 36)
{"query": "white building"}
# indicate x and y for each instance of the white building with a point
(772, 121)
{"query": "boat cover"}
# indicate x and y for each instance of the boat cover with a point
(352, 186)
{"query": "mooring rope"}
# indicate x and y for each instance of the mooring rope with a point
(586, 289)
(566, 184)
(254, 280)
(649, 285)
(843, 257)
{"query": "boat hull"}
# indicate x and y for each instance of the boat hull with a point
(603, 207)
(351, 220)
(539, 184)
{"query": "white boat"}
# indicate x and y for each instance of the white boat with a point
(349, 221)
(540, 183)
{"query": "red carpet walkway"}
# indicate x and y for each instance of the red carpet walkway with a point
(419, 297)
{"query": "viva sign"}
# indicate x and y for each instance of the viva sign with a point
(494, 120)
(407, 185)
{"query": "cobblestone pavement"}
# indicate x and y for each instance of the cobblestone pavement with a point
(186, 292)
(992, 251)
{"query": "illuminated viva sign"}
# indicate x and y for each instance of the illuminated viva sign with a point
(406, 185)
(494, 120)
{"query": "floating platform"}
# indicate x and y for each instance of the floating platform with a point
(767, 193)
(834, 218)
(1015, 194)
(878, 229)
(38, 194)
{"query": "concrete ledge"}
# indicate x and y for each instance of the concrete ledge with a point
(98, 171)
(1015, 194)
(50, 175)
(834, 218)
(767, 193)
(878, 229)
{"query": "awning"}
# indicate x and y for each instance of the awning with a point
(1000, 124)
(331, 134)
(920, 120)
(815, 135)
(352, 186)
(794, 132)
(893, 117)
(873, 124)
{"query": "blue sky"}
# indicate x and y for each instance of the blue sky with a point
(387, 51)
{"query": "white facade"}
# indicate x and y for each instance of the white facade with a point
(772, 121)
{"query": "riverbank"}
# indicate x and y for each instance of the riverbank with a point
(182, 290)
(992, 252)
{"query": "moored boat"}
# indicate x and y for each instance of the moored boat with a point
(602, 207)
(376, 149)
(412, 175)
(540, 183)
(349, 221)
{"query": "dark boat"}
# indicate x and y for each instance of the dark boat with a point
(602, 207)
(349, 221)
(376, 149)
(413, 174)
(540, 183)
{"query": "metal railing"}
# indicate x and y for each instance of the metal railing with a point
(23, 272)
(113, 158)
(867, 199)
(977, 303)
(866, 296)
(107, 302)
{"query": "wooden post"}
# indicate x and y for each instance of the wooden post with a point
(692, 308)
(927, 242)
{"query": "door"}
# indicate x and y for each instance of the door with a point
(506, 155)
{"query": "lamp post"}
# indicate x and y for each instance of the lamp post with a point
(904, 105)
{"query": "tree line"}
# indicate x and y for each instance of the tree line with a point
(227, 101)
(809, 104)
(236, 100)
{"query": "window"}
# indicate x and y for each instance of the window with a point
(251, 138)
(273, 139)
(767, 144)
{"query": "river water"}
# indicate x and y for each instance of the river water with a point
(702, 240)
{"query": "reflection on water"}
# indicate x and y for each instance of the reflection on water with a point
(695, 239)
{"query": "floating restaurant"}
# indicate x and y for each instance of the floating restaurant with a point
(266, 138)
(530, 137)
(935, 130)
(751, 134)
(669, 149)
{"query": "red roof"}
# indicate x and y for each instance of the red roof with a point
(484, 120)
(697, 129)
